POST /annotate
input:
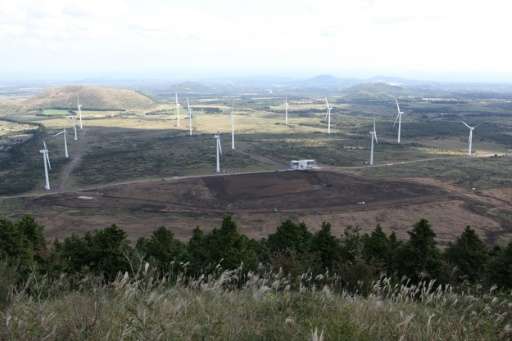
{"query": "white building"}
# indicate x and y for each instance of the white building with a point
(303, 164)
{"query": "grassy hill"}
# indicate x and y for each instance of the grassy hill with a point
(91, 98)
(376, 90)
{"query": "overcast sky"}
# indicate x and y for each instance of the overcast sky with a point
(194, 38)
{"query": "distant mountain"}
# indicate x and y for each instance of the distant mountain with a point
(91, 97)
(325, 82)
(375, 90)
(192, 87)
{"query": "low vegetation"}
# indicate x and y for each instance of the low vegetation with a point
(222, 285)
(91, 97)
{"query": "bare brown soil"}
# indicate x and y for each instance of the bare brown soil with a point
(260, 201)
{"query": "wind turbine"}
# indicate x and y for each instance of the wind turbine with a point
(63, 133)
(46, 162)
(73, 119)
(286, 110)
(373, 138)
(79, 106)
(47, 155)
(329, 108)
(177, 111)
(219, 151)
(470, 140)
(398, 119)
(189, 118)
(232, 128)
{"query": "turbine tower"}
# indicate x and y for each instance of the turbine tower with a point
(286, 110)
(189, 118)
(219, 151)
(398, 119)
(79, 106)
(177, 111)
(45, 147)
(329, 108)
(63, 133)
(470, 139)
(232, 129)
(46, 162)
(73, 119)
(373, 138)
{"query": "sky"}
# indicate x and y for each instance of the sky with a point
(434, 39)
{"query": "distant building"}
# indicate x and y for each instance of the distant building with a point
(303, 164)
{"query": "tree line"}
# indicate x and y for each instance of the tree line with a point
(357, 258)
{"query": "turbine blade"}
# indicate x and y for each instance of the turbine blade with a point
(397, 105)
(375, 132)
(47, 157)
(396, 119)
(467, 125)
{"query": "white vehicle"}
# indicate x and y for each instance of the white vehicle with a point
(303, 164)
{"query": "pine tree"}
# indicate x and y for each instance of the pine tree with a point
(376, 248)
(163, 249)
(419, 258)
(469, 255)
(324, 244)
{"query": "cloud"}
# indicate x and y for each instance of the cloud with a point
(320, 36)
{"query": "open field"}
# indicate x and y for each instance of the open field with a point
(141, 147)
(259, 201)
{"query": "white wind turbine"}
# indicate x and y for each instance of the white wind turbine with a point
(286, 105)
(232, 128)
(373, 138)
(177, 111)
(329, 108)
(470, 139)
(63, 133)
(45, 147)
(79, 106)
(219, 151)
(189, 118)
(46, 162)
(73, 119)
(398, 119)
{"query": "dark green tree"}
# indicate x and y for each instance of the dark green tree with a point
(227, 247)
(500, 267)
(11, 241)
(469, 255)
(162, 249)
(351, 244)
(419, 258)
(22, 243)
(377, 249)
(290, 237)
(197, 252)
(326, 246)
(104, 252)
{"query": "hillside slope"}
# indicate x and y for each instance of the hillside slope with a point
(91, 97)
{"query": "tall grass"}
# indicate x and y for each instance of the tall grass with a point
(233, 305)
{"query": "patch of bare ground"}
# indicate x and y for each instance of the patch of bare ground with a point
(260, 201)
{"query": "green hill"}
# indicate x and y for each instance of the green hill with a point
(374, 91)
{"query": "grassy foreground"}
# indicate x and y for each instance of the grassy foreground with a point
(263, 308)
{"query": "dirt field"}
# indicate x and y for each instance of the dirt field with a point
(260, 201)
